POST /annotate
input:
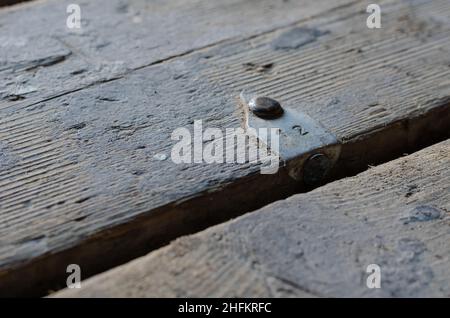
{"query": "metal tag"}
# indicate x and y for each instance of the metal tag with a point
(301, 138)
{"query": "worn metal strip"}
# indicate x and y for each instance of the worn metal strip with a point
(307, 149)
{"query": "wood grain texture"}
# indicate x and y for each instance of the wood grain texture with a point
(396, 215)
(40, 57)
(78, 179)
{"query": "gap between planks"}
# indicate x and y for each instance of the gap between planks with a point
(372, 146)
(317, 244)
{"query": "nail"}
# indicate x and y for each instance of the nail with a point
(265, 107)
(315, 169)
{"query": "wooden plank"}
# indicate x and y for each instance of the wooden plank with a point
(79, 182)
(40, 57)
(396, 215)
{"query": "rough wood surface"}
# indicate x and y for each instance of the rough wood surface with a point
(396, 215)
(42, 58)
(78, 179)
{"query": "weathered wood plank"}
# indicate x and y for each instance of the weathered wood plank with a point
(40, 57)
(79, 182)
(396, 215)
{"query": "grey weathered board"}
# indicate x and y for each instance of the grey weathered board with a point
(42, 58)
(83, 115)
(396, 215)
